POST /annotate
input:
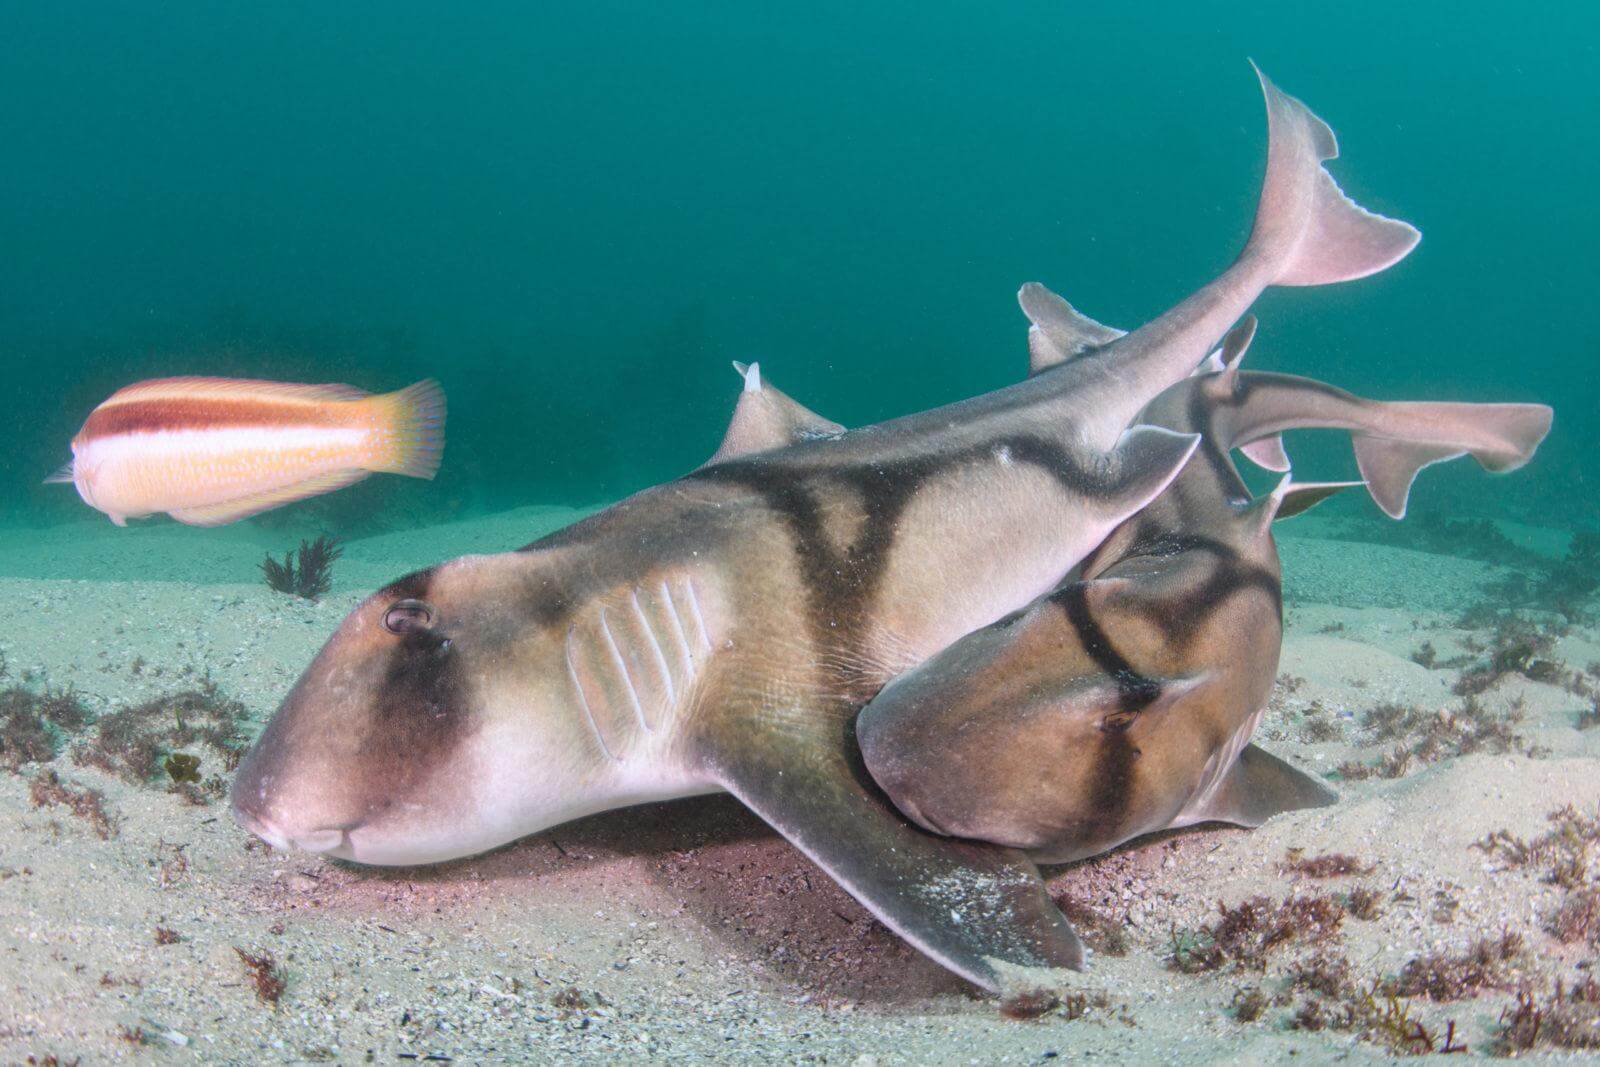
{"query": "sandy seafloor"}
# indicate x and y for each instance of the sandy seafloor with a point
(690, 930)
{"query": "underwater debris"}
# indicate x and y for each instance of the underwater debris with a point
(1022, 1006)
(1245, 935)
(167, 936)
(1568, 1019)
(182, 767)
(1327, 973)
(1488, 964)
(1104, 935)
(1328, 865)
(1577, 918)
(137, 744)
(32, 725)
(1248, 1004)
(307, 574)
(1588, 720)
(1363, 903)
(48, 790)
(264, 975)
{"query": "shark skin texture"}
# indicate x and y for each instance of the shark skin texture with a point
(1122, 702)
(722, 631)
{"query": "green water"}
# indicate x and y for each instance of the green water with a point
(576, 215)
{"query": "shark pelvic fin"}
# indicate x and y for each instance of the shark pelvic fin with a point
(1059, 331)
(1293, 498)
(1268, 454)
(977, 909)
(766, 418)
(1235, 343)
(1258, 786)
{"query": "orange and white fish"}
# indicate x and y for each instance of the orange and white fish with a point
(210, 451)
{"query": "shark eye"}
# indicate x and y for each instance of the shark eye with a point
(406, 616)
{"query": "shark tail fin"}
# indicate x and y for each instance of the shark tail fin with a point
(1501, 437)
(1305, 224)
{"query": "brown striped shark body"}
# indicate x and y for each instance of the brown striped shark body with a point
(1123, 701)
(720, 632)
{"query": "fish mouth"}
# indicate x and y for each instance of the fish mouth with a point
(320, 842)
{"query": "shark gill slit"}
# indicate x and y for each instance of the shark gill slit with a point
(621, 665)
(655, 648)
(682, 636)
(576, 678)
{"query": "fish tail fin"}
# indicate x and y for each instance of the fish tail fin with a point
(1501, 437)
(63, 474)
(1305, 225)
(409, 430)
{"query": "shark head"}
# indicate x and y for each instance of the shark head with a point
(436, 722)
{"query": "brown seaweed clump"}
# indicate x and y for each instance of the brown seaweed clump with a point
(47, 790)
(1566, 1019)
(1561, 854)
(1327, 865)
(32, 725)
(143, 742)
(1490, 963)
(307, 574)
(1578, 918)
(1247, 934)
(1423, 737)
(265, 975)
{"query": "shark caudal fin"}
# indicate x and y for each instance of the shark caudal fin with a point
(1501, 437)
(1305, 226)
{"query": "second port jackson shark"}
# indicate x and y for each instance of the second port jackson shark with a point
(724, 630)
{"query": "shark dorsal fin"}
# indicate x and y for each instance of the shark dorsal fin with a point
(1059, 331)
(766, 418)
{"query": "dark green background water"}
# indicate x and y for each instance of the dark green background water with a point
(576, 215)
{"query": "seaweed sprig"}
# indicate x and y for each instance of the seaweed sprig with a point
(307, 573)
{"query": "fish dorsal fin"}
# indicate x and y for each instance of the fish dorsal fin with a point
(1267, 453)
(1292, 498)
(198, 388)
(62, 474)
(1063, 332)
(1258, 786)
(1235, 343)
(766, 418)
(245, 506)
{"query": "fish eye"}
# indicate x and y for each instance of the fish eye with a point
(406, 616)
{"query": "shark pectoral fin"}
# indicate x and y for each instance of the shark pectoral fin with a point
(977, 909)
(1059, 331)
(1259, 786)
(1146, 460)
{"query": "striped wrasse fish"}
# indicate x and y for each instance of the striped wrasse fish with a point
(210, 451)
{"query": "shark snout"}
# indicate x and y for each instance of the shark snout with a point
(324, 840)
